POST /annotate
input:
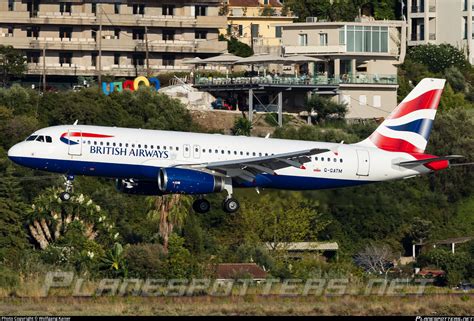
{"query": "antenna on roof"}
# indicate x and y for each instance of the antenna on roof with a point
(75, 123)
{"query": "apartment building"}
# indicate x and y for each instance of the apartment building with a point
(361, 57)
(256, 21)
(442, 21)
(78, 37)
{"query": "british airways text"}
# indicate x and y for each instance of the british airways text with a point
(136, 152)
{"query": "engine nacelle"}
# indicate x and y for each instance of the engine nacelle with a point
(187, 181)
(135, 187)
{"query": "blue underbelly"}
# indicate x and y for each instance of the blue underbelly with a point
(114, 170)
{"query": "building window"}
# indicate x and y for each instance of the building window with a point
(465, 28)
(33, 7)
(278, 32)
(10, 30)
(117, 33)
(377, 101)
(201, 11)
(94, 56)
(366, 39)
(32, 57)
(138, 34)
(138, 59)
(65, 58)
(323, 39)
(32, 32)
(117, 59)
(11, 5)
(139, 9)
(362, 100)
(117, 8)
(168, 35)
(241, 30)
(65, 32)
(254, 30)
(303, 39)
(94, 34)
(94, 8)
(168, 60)
(65, 7)
(168, 9)
(200, 34)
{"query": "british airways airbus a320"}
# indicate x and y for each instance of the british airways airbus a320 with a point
(153, 162)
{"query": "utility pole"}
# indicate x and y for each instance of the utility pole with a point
(147, 53)
(44, 68)
(100, 47)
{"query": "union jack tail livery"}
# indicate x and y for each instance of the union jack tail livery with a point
(408, 127)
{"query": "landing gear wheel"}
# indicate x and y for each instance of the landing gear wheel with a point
(65, 196)
(230, 205)
(201, 206)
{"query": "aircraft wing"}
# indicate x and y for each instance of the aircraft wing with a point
(246, 169)
(428, 160)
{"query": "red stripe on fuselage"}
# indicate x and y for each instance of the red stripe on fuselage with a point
(428, 100)
(89, 135)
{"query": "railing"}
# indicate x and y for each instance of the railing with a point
(302, 80)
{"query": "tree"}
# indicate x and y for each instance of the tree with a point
(170, 212)
(377, 259)
(420, 229)
(267, 11)
(325, 108)
(236, 47)
(439, 57)
(49, 218)
(242, 126)
(12, 235)
(12, 63)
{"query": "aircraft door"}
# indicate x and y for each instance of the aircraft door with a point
(363, 158)
(75, 142)
(186, 151)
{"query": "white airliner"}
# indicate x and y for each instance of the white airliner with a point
(153, 162)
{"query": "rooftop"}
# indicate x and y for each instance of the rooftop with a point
(253, 3)
(233, 270)
(303, 246)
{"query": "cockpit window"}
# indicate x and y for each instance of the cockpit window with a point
(49, 139)
(40, 139)
(31, 138)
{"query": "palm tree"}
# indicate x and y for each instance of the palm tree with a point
(170, 211)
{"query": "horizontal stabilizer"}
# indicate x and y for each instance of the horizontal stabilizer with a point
(428, 160)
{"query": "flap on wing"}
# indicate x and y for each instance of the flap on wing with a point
(428, 160)
(247, 168)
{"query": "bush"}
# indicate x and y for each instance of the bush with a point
(242, 126)
(144, 260)
(8, 278)
(439, 57)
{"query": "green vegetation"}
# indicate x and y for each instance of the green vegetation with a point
(107, 234)
(12, 63)
(236, 47)
(343, 10)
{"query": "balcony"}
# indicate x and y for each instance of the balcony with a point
(357, 79)
(114, 70)
(314, 50)
(58, 18)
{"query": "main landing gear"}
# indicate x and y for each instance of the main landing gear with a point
(66, 195)
(229, 205)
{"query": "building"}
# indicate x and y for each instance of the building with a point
(360, 57)
(299, 249)
(257, 19)
(68, 39)
(441, 21)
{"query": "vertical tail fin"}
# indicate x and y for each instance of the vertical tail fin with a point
(408, 127)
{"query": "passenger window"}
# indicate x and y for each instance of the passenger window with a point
(177, 148)
(341, 160)
(322, 159)
(107, 144)
(139, 146)
(146, 146)
(253, 153)
(316, 158)
(49, 139)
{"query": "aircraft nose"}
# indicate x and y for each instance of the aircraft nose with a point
(15, 153)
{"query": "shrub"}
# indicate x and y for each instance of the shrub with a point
(8, 278)
(144, 260)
